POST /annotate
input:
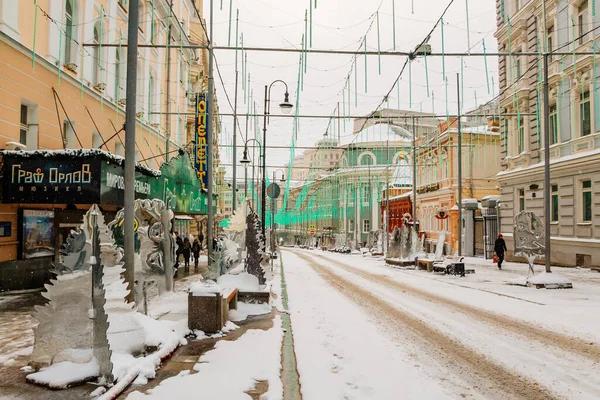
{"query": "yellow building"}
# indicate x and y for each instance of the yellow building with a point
(63, 82)
(437, 176)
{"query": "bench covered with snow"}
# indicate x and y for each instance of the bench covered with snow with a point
(209, 305)
(452, 266)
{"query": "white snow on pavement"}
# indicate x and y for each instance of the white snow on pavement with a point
(340, 353)
(229, 370)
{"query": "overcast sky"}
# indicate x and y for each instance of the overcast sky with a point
(341, 25)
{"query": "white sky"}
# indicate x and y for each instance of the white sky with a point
(341, 25)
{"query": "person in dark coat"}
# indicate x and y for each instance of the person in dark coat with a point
(201, 240)
(500, 248)
(186, 251)
(196, 248)
(178, 249)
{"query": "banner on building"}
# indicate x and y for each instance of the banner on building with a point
(201, 153)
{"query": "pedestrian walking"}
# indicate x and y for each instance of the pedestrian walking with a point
(499, 249)
(186, 251)
(201, 240)
(178, 249)
(196, 248)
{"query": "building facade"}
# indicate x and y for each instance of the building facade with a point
(568, 26)
(437, 176)
(63, 68)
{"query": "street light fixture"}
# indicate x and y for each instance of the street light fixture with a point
(286, 108)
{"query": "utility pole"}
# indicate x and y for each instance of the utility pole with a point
(209, 140)
(414, 146)
(459, 168)
(168, 121)
(129, 200)
(547, 165)
(234, 186)
(387, 197)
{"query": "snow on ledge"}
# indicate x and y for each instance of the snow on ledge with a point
(112, 158)
(64, 374)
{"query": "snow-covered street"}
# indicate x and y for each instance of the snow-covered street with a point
(365, 330)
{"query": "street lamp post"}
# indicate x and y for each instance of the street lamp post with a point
(286, 107)
(245, 160)
(273, 243)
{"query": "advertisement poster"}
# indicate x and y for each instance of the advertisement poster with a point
(38, 233)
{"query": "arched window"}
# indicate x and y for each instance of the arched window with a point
(69, 14)
(367, 159)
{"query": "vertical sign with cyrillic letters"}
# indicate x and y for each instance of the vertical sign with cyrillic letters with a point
(201, 158)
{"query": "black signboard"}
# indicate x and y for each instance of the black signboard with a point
(46, 180)
(63, 178)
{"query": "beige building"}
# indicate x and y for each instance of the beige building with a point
(314, 162)
(574, 124)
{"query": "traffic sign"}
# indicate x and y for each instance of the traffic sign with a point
(312, 229)
(273, 190)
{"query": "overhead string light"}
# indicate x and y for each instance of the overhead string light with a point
(34, 34)
(229, 30)
(394, 23)
(487, 74)
(468, 31)
(378, 44)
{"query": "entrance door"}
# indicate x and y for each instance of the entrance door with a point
(479, 243)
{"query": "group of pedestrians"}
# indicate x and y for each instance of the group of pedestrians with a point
(185, 249)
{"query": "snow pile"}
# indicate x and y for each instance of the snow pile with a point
(543, 278)
(64, 374)
(243, 282)
(205, 289)
(548, 279)
(245, 309)
(229, 370)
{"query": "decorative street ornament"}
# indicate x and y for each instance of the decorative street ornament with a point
(154, 248)
(530, 237)
(73, 324)
(442, 213)
(255, 242)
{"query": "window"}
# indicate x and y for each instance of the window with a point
(554, 204)
(351, 225)
(366, 159)
(586, 206)
(366, 194)
(153, 31)
(151, 97)
(97, 54)
(24, 127)
(521, 199)
(117, 75)
(586, 121)
(521, 136)
(582, 21)
(518, 5)
(181, 68)
(550, 36)
(553, 125)
(96, 140)
(518, 68)
(366, 226)
(68, 31)
(141, 16)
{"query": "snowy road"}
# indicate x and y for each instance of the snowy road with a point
(406, 335)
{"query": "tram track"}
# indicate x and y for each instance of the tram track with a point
(490, 379)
